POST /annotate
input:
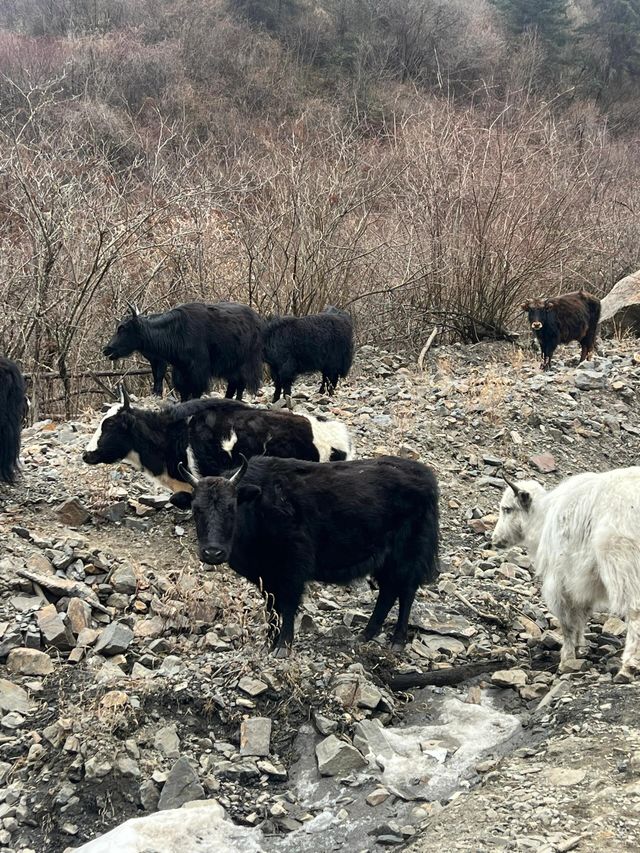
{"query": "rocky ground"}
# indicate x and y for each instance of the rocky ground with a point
(134, 680)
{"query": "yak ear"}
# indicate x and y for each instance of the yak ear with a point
(524, 498)
(550, 303)
(247, 493)
(525, 306)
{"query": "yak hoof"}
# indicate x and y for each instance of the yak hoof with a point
(281, 652)
(624, 676)
(397, 646)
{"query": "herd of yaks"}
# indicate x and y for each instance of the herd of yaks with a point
(298, 507)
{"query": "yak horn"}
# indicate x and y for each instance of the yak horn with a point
(186, 475)
(124, 396)
(133, 308)
(242, 470)
(511, 485)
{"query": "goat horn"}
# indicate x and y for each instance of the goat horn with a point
(511, 485)
(242, 470)
(186, 475)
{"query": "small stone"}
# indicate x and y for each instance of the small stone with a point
(124, 580)
(337, 757)
(252, 686)
(167, 742)
(614, 626)
(72, 513)
(255, 736)
(182, 785)
(324, 725)
(79, 615)
(13, 697)
(97, 768)
(127, 767)
(53, 628)
(115, 639)
(589, 380)
(509, 678)
(564, 776)
(544, 462)
(149, 795)
(551, 640)
(273, 769)
(379, 795)
(29, 662)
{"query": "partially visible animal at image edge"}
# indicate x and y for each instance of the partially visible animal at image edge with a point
(211, 436)
(222, 340)
(281, 523)
(13, 407)
(320, 343)
(562, 319)
(584, 540)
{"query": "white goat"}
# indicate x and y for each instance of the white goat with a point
(584, 540)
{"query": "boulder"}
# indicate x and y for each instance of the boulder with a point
(622, 304)
(114, 639)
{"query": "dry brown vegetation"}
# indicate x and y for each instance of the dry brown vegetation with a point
(401, 159)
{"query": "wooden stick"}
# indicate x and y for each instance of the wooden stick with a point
(443, 677)
(50, 377)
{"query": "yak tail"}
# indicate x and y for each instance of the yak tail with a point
(12, 410)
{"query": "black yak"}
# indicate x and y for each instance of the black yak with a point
(200, 341)
(571, 317)
(318, 342)
(281, 523)
(13, 407)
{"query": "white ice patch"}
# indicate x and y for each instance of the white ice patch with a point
(229, 443)
(203, 828)
(328, 436)
(93, 444)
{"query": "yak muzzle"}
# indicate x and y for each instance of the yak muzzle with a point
(213, 556)
(109, 353)
(90, 457)
(536, 326)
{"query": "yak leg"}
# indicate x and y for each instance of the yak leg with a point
(584, 351)
(405, 602)
(231, 390)
(158, 369)
(631, 654)
(323, 384)
(572, 624)
(387, 596)
(240, 390)
(286, 601)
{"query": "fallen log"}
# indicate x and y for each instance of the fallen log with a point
(443, 677)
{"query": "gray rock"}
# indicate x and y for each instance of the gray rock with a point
(29, 662)
(589, 380)
(53, 628)
(255, 736)
(509, 677)
(73, 513)
(167, 742)
(337, 757)
(182, 785)
(13, 697)
(114, 639)
(79, 615)
(124, 580)
(97, 768)
(252, 686)
(149, 795)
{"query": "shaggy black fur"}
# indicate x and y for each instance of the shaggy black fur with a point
(201, 342)
(13, 405)
(282, 523)
(572, 317)
(161, 439)
(319, 342)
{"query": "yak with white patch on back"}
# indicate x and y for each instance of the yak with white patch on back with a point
(210, 436)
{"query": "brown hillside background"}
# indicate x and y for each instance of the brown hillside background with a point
(420, 162)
